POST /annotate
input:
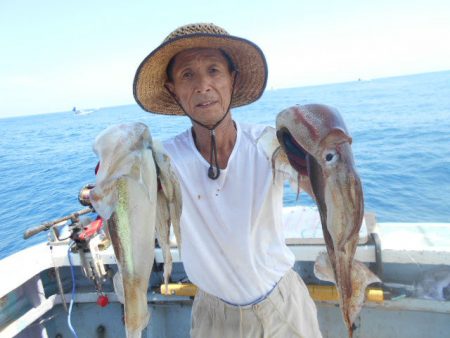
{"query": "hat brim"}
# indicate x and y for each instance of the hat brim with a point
(151, 94)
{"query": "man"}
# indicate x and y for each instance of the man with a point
(231, 225)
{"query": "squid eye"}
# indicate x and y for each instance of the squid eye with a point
(331, 156)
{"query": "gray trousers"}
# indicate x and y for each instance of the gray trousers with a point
(288, 311)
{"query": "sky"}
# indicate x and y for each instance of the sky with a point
(55, 55)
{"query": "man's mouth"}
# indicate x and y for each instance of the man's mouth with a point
(205, 104)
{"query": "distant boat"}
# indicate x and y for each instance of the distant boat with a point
(82, 111)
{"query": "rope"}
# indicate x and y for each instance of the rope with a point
(213, 156)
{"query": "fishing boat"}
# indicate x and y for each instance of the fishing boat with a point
(64, 287)
(82, 111)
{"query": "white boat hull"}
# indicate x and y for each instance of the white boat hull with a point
(31, 306)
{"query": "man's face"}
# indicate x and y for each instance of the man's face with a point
(202, 83)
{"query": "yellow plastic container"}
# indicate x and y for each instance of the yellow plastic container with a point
(317, 292)
(330, 293)
(185, 289)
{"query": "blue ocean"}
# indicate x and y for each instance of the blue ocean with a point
(401, 144)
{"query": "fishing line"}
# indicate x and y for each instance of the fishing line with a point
(69, 321)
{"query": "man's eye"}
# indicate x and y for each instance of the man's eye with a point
(213, 70)
(186, 75)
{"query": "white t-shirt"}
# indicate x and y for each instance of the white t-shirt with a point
(233, 245)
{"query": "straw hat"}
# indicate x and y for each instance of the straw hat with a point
(249, 60)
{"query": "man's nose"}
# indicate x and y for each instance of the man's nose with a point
(202, 84)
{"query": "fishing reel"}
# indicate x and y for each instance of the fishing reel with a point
(85, 237)
(93, 239)
(83, 195)
(90, 238)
